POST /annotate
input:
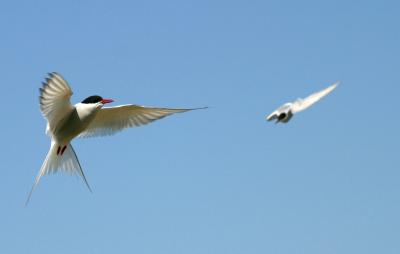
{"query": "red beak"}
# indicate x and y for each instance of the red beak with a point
(105, 101)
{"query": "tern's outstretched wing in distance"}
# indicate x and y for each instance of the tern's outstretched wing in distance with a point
(302, 104)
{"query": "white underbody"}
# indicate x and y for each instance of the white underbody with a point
(74, 123)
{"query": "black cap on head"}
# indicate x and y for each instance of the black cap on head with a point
(92, 99)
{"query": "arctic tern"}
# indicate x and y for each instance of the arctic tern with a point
(285, 112)
(85, 119)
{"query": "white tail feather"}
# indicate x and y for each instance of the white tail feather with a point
(67, 162)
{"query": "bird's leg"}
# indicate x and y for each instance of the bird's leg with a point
(63, 150)
(58, 150)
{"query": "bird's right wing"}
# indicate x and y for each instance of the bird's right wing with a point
(54, 99)
(302, 104)
(110, 120)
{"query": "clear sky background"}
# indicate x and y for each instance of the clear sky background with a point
(221, 180)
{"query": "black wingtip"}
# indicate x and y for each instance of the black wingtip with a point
(201, 108)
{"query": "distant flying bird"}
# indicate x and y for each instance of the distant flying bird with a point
(85, 119)
(285, 112)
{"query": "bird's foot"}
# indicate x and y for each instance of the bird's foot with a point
(60, 150)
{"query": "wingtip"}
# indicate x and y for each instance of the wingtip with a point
(337, 83)
(53, 73)
(199, 108)
(203, 107)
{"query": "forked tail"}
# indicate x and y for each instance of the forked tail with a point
(59, 158)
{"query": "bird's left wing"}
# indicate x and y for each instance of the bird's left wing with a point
(302, 104)
(54, 99)
(110, 120)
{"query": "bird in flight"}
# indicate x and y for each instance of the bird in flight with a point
(88, 118)
(285, 112)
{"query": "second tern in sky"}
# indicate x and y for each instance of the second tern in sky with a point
(85, 119)
(285, 112)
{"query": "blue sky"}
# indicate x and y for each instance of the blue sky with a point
(220, 180)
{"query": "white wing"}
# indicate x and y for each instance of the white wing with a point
(302, 104)
(110, 120)
(54, 99)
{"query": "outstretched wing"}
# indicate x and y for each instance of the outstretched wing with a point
(302, 104)
(54, 99)
(110, 120)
